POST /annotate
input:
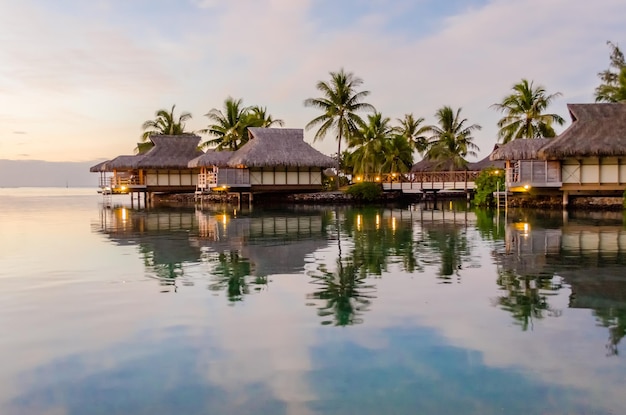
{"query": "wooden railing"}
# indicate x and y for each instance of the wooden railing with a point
(443, 176)
(534, 173)
(420, 182)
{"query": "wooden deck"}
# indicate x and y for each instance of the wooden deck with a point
(423, 182)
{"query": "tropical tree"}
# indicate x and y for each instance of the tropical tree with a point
(369, 141)
(397, 155)
(524, 113)
(229, 127)
(340, 102)
(259, 117)
(165, 123)
(451, 140)
(613, 86)
(414, 132)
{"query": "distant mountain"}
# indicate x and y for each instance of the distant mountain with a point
(38, 173)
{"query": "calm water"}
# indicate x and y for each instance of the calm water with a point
(310, 310)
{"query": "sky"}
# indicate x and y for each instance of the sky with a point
(77, 78)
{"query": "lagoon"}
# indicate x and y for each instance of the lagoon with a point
(307, 309)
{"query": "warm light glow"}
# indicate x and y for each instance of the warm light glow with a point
(124, 214)
(222, 218)
(526, 187)
(393, 175)
(393, 223)
(358, 178)
(377, 221)
(523, 228)
(358, 222)
(123, 188)
(377, 178)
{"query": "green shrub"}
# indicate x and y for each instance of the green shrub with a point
(624, 202)
(486, 183)
(366, 191)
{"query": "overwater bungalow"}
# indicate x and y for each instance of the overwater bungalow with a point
(273, 160)
(524, 169)
(586, 159)
(163, 168)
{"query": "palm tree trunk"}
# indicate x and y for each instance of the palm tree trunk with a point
(339, 151)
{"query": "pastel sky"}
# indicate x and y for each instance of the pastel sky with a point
(78, 78)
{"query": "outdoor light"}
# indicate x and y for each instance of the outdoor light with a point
(526, 187)
(377, 178)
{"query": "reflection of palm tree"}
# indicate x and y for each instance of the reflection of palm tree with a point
(230, 272)
(345, 292)
(527, 297)
(615, 320)
(452, 245)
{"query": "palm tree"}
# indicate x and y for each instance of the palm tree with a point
(397, 155)
(228, 127)
(523, 113)
(165, 123)
(369, 142)
(339, 103)
(412, 130)
(613, 86)
(451, 140)
(260, 118)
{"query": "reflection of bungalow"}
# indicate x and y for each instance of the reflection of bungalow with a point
(277, 244)
(587, 158)
(161, 169)
(274, 159)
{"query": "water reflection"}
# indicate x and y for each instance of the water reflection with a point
(545, 253)
(89, 331)
(537, 255)
(237, 250)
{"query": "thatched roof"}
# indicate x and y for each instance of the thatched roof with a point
(170, 152)
(487, 162)
(103, 166)
(425, 165)
(597, 130)
(279, 147)
(520, 149)
(124, 162)
(212, 158)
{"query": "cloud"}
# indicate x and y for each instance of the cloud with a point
(105, 69)
(62, 53)
(20, 132)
